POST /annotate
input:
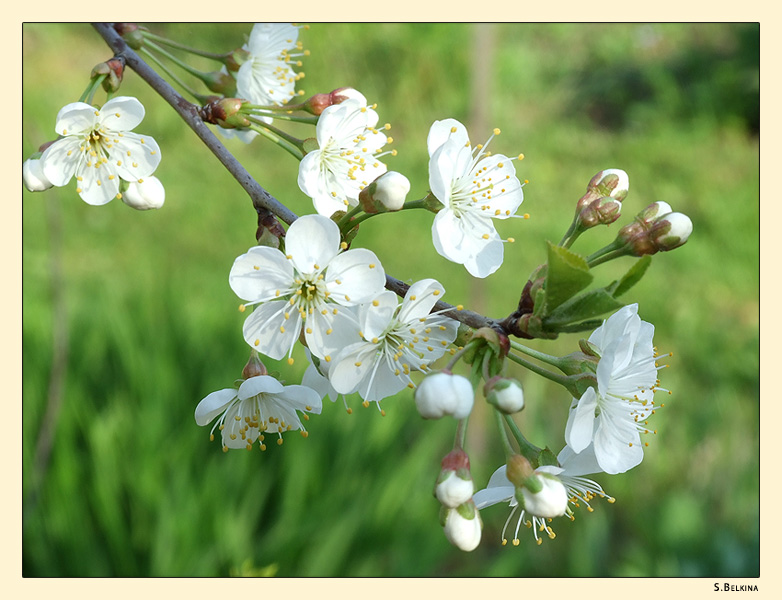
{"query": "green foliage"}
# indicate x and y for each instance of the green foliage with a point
(134, 488)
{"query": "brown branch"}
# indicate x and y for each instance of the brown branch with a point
(265, 204)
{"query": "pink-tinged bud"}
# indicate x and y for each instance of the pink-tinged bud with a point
(613, 183)
(254, 367)
(113, 69)
(317, 104)
(444, 393)
(518, 470)
(671, 231)
(656, 229)
(504, 393)
(601, 211)
(462, 526)
(145, 194)
(131, 33)
(387, 193)
(454, 485)
(225, 112)
(32, 175)
(653, 212)
(339, 95)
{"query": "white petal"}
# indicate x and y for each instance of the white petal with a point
(448, 236)
(99, 185)
(361, 275)
(419, 300)
(493, 495)
(267, 330)
(121, 114)
(580, 424)
(583, 463)
(261, 384)
(376, 315)
(350, 366)
(57, 164)
(76, 118)
(260, 273)
(487, 260)
(135, 156)
(302, 398)
(213, 405)
(312, 242)
(327, 334)
(441, 131)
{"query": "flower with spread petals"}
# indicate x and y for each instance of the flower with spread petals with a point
(311, 288)
(474, 188)
(613, 415)
(569, 475)
(260, 405)
(266, 76)
(394, 340)
(347, 157)
(98, 148)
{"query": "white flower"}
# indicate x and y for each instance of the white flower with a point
(346, 159)
(310, 288)
(613, 415)
(98, 148)
(145, 194)
(260, 405)
(33, 177)
(474, 188)
(394, 340)
(463, 526)
(443, 394)
(266, 76)
(578, 489)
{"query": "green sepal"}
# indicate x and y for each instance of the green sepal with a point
(584, 306)
(547, 458)
(568, 274)
(466, 510)
(629, 279)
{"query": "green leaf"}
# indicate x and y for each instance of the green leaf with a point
(629, 279)
(589, 325)
(568, 274)
(585, 306)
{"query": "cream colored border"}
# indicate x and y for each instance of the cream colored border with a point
(13, 586)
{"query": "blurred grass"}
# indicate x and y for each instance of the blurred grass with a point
(134, 488)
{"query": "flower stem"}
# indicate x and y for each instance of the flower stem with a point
(180, 63)
(461, 434)
(182, 84)
(528, 450)
(277, 137)
(459, 353)
(506, 445)
(91, 89)
(151, 36)
(614, 250)
(554, 361)
(265, 112)
(555, 377)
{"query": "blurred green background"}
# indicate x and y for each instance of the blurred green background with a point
(129, 320)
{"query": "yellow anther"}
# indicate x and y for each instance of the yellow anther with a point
(242, 308)
(290, 360)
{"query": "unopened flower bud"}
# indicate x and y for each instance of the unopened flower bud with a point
(655, 229)
(339, 95)
(602, 211)
(254, 367)
(319, 102)
(269, 231)
(235, 59)
(131, 33)
(462, 526)
(454, 485)
(443, 394)
(504, 393)
(225, 112)
(518, 470)
(550, 498)
(670, 231)
(387, 193)
(610, 183)
(654, 211)
(32, 175)
(113, 69)
(145, 194)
